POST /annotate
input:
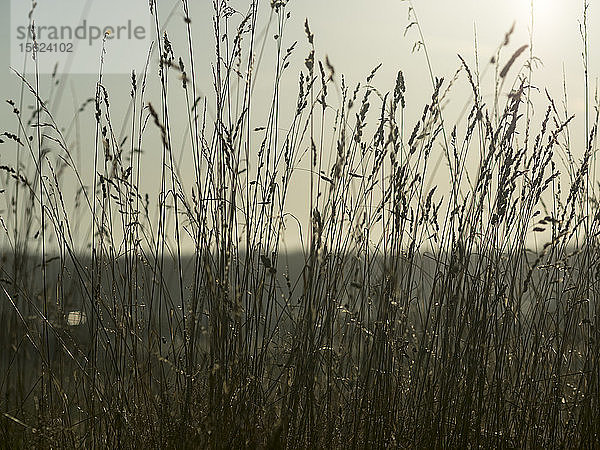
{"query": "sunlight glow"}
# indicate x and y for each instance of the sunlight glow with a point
(545, 12)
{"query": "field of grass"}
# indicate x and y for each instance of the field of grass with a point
(415, 315)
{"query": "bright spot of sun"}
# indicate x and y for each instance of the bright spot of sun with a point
(544, 11)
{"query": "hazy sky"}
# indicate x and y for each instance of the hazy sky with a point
(357, 35)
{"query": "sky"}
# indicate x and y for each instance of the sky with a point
(356, 35)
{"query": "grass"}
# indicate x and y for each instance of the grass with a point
(414, 316)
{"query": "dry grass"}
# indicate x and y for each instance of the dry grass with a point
(370, 340)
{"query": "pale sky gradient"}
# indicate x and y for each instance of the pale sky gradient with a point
(357, 35)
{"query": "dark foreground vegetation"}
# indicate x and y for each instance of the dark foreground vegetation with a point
(414, 317)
